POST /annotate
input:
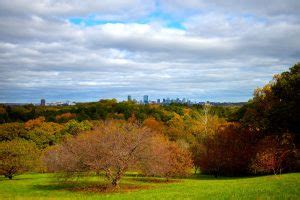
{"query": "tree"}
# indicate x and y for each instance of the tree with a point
(154, 125)
(274, 109)
(274, 154)
(34, 123)
(45, 134)
(175, 127)
(196, 151)
(285, 114)
(112, 148)
(65, 117)
(10, 131)
(167, 159)
(206, 109)
(228, 152)
(74, 127)
(17, 156)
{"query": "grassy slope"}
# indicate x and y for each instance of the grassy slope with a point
(42, 186)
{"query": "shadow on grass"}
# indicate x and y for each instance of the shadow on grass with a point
(90, 187)
(197, 176)
(200, 176)
(16, 179)
(155, 180)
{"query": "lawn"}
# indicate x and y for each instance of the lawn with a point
(45, 186)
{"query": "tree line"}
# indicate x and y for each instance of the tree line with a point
(261, 137)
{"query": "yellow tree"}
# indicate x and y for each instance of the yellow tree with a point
(17, 156)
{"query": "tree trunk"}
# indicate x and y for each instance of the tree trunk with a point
(195, 171)
(116, 179)
(9, 176)
(115, 182)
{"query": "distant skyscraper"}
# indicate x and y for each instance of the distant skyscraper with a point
(168, 100)
(43, 102)
(129, 98)
(158, 101)
(146, 99)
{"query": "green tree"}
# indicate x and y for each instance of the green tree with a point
(74, 127)
(275, 108)
(10, 131)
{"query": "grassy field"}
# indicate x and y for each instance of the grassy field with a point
(45, 186)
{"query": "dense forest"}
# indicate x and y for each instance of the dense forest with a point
(260, 137)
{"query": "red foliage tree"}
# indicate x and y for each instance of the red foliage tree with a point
(228, 152)
(274, 154)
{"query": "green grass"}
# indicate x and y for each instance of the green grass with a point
(45, 186)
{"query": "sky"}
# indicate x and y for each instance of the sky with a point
(88, 50)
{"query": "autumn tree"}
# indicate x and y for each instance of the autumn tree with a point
(17, 156)
(74, 127)
(10, 131)
(3, 115)
(202, 128)
(65, 117)
(167, 159)
(229, 152)
(274, 109)
(34, 123)
(274, 154)
(112, 148)
(154, 125)
(46, 134)
(175, 127)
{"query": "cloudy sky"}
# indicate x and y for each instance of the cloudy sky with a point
(87, 50)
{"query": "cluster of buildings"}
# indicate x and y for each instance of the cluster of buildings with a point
(59, 103)
(165, 101)
(146, 100)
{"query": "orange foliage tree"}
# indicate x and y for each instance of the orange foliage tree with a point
(65, 117)
(167, 159)
(112, 148)
(154, 125)
(34, 122)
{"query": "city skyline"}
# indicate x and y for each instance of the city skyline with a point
(86, 50)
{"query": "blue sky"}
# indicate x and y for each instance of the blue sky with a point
(88, 50)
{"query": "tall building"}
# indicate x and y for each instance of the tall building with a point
(43, 102)
(168, 101)
(158, 101)
(146, 99)
(129, 98)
